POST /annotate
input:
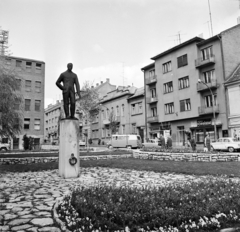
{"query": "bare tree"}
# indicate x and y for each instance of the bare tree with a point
(10, 100)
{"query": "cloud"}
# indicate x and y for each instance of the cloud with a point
(97, 48)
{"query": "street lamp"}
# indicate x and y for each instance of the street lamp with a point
(214, 116)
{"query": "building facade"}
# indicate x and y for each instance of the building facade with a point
(184, 88)
(31, 78)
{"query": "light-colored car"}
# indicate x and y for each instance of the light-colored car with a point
(4, 147)
(82, 143)
(151, 143)
(226, 143)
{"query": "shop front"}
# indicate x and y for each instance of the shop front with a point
(234, 127)
(200, 128)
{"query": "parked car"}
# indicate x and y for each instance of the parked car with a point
(226, 143)
(151, 143)
(82, 143)
(4, 147)
(128, 141)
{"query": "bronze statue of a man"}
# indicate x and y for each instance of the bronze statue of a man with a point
(69, 79)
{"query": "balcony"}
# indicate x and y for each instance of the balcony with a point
(106, 121)
(202, 110)
(199, 63)
(151, 80)
(213, 85)
(151, 119)
(152, 100)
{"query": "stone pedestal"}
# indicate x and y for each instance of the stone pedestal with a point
(68, 147)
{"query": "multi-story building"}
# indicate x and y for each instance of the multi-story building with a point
(31, 77)
(126, 104)
(184, 88)
(51, 121)
(233, 95)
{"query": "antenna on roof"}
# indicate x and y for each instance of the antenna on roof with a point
(123, 77)
(210, 16)
(178, 37)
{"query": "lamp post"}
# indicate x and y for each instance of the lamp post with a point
(214, 116)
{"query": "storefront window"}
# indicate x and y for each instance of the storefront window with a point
(199, 136)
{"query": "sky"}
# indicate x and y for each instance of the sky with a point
(106, 38)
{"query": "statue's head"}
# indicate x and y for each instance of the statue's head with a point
(70, 66)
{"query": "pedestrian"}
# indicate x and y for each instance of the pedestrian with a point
(169, 142)
(162, 140)
(193, 143)
(207, 142)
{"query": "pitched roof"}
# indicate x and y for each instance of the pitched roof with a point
(139, 92)
(234, 77)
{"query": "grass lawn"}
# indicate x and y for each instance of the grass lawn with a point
(194, 168)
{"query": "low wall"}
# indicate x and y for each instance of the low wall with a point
(204, 157)
(31, 160)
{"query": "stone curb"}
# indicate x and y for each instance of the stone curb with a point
(56, 218)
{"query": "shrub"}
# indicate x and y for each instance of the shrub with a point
(204, 206)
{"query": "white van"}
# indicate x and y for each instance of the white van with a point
(128, 141)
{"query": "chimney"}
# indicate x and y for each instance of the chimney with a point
(107, 80)
(92, 87)
(97, 84)
(101, 82)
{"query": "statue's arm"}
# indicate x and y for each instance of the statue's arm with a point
(77, 86)
(58, 82)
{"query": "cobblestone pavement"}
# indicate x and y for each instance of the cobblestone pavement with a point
(26, 199)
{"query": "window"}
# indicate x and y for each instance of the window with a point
(182, 60)
(107, 113)
(37, 124)
(103, 114)
(133, 108)
(208, 100)
(26, 123)
(168, 87)
(27, 104)
(18, 63)
(140, 107)
(185, 105)
(167, 67)
(38, 66)
(154, 111)
(206, 53)
(153, 92)
(37, 105)
(208, 76)
(103, 132)
(134, 129)
(123, 129)
(169, 108)
(152, 73)
(136, 108)
(19, 83)
(28, 85)
(117, 111)
(183, 82)
(28, 66)
(37, 86)
(122, 110)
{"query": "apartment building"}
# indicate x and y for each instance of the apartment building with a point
(126, 105)
(232, 85)
(31, 78)
(184, 88)
(51, 118)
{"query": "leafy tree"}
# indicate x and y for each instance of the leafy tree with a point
(88, 105)
(113, 125)
(10, 101)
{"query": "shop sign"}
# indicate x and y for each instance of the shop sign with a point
(204, 122)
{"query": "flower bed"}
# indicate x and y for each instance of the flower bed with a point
(196, 206)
